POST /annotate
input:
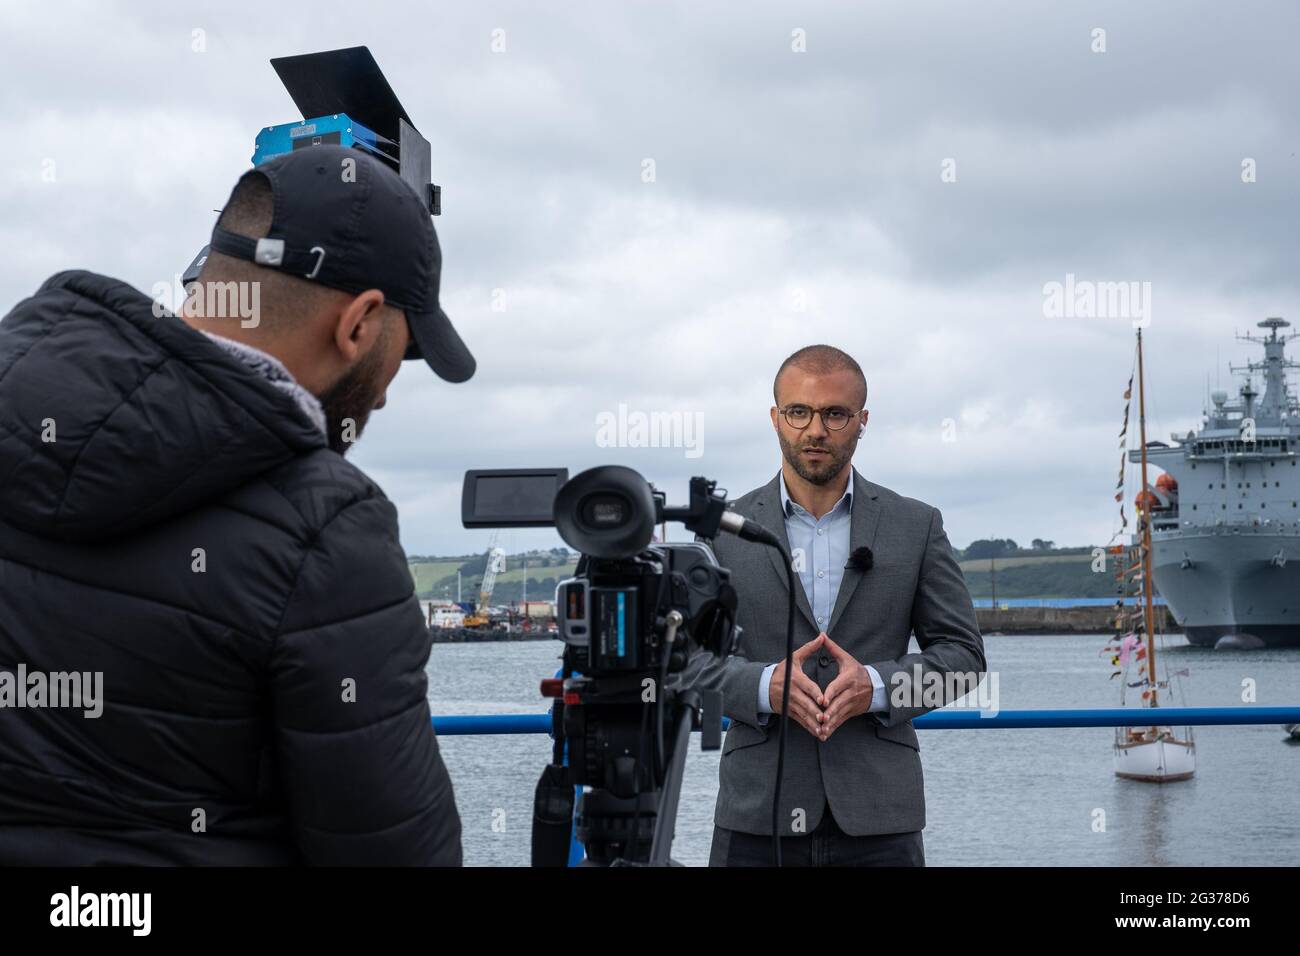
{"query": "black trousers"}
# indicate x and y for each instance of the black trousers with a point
(826, 845)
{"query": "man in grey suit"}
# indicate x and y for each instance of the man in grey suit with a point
(875, 568)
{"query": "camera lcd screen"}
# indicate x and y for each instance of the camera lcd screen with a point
(511, 498)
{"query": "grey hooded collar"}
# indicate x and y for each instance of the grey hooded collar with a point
(279, 377)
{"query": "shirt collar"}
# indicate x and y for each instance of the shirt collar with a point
(788, 504)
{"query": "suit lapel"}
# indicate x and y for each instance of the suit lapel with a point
(862, 533)
(767, 512)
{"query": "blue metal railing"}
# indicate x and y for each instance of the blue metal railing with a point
(959, 719)
(942, 719)
(985, 604)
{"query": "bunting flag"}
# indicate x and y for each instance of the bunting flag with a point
(1123, 442)
(1126, 648)
(1128, 395)
(1127, 643)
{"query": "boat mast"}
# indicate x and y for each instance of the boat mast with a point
(1148, 616)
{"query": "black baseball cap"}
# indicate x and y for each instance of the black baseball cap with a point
(346, 220)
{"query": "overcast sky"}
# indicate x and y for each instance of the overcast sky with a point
(899, 180)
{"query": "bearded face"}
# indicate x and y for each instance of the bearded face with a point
(817, 458)
(349, 401)
(817, 453)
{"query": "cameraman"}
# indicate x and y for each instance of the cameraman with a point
(179, 523)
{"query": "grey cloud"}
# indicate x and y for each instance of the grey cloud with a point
(777, 174)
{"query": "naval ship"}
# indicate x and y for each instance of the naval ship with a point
(1225, 519)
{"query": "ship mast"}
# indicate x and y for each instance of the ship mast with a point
(1148, 616)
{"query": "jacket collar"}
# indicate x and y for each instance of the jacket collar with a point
(276, 375)
(769, 511)
(788, 503)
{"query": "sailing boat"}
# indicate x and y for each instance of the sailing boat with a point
(1153, 753)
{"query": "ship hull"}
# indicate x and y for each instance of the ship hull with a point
(1269, 636)
(1243, 586)
(1160, 761)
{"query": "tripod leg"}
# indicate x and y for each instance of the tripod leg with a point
(670, 796)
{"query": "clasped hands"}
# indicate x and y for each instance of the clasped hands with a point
(817, 711)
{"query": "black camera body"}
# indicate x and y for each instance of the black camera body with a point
(632, 606)
(632, 616)
(612, 614)
(628, 625)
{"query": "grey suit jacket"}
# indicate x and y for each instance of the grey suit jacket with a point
(870, 768)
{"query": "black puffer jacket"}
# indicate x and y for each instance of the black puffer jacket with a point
(225, 735)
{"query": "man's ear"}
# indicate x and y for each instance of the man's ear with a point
(358, 325)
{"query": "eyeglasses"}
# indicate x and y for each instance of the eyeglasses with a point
(834, 418)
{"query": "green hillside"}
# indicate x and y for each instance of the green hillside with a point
(435, 578)
(1040, 572)
(1038, 577)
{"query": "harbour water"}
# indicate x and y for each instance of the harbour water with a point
(993, 797)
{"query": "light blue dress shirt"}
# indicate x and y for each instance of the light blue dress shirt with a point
(824, 545)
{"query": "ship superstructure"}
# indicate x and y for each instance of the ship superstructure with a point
(1225, 515)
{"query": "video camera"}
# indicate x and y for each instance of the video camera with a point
(633, 614)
